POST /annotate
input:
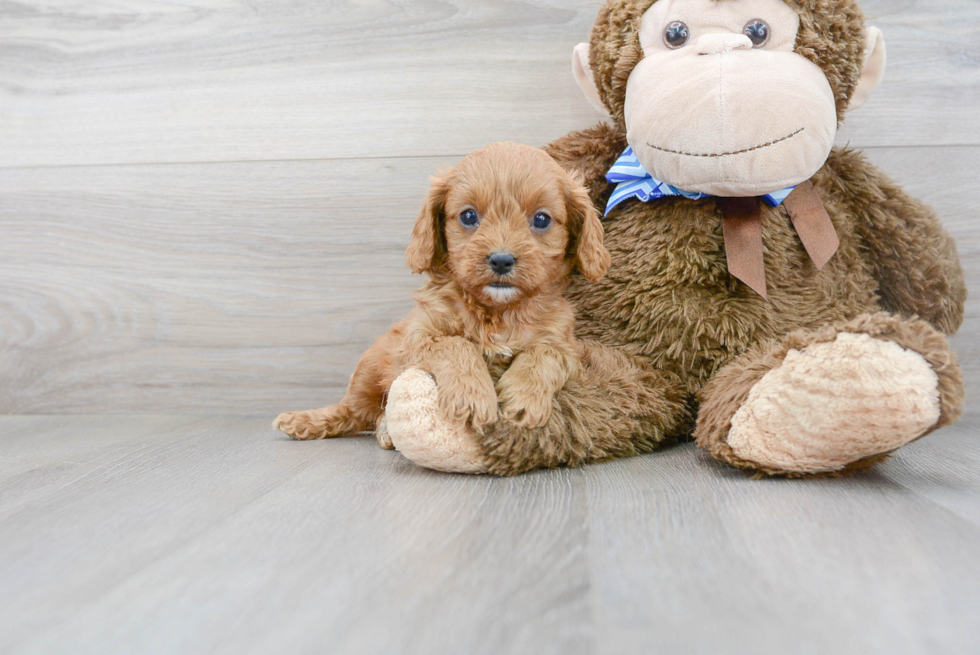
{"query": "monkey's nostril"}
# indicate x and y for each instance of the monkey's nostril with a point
(501, 262)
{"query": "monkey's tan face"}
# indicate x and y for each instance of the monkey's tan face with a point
(721, 104)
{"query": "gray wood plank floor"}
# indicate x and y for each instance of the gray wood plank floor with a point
(210, 535)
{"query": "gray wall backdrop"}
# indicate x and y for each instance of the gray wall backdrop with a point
(204, 205)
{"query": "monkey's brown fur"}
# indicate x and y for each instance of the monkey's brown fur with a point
(689, 339)
(455, 329)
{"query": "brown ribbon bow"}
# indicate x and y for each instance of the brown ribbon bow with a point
(742, 223)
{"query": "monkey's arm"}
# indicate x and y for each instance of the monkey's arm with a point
(912, 256)
(590, 154)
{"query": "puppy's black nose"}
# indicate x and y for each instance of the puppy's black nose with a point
(502, 262)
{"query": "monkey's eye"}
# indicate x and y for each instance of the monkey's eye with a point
(541, 221)
(676, 35)
(469, 218)
(758, 32)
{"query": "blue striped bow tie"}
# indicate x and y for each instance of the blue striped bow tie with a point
(633, 181)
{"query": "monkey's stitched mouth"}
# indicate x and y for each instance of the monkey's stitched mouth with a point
(728, 154)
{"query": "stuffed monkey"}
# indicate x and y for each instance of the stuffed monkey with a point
(776, 298)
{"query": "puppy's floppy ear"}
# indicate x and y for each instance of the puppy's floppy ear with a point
(591, 256)
(427, 250)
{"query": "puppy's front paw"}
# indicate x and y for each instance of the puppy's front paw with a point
(523, 400)
(469, 399)
(524, 410)
(299, 425)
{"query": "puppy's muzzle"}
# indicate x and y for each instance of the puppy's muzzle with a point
(501, 262)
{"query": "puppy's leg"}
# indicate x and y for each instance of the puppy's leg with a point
(362, 406)
(466, 391)
(527, 389)
(323, 423)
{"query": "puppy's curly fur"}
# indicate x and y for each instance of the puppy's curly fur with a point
(498, 236)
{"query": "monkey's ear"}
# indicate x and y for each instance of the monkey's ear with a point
(590, 253)
(427, 249)
(582, 70)
(875, 57)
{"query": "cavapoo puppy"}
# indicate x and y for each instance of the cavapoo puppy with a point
(498, 237)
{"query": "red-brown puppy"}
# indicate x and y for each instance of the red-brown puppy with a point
(498, 236)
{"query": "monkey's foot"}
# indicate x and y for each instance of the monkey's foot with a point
(418, 430)
(832, 401)
(835, 403)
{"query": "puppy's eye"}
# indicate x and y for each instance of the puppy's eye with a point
(541, 221)
(676, 35)
(758, 32)
(469, 218)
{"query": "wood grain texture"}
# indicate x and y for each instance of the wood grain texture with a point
(212, 535)
(148, 82)
(210, 281)
(944, 470)
(215, 536)
(255, 287)
(690, 557)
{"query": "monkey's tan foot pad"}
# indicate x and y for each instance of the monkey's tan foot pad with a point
(834, 403)
(420, 433)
